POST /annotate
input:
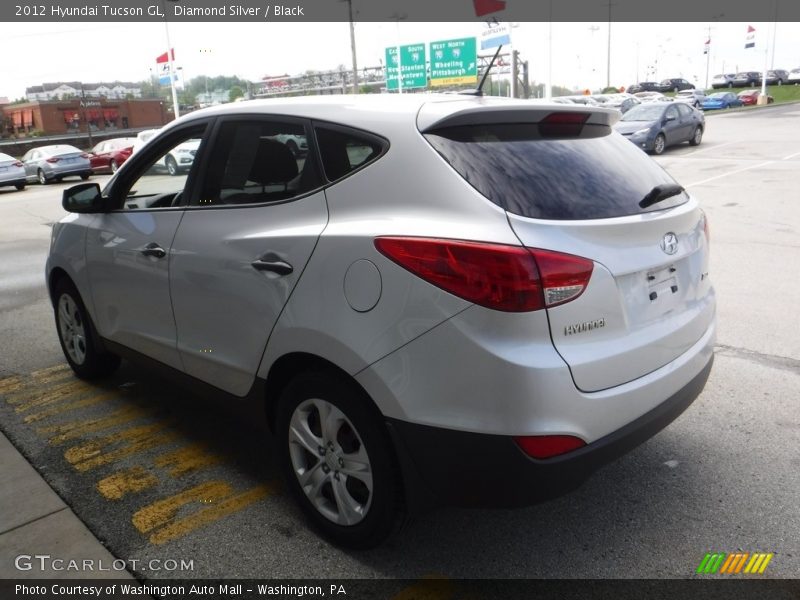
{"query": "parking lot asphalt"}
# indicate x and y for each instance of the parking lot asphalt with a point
(159, 475)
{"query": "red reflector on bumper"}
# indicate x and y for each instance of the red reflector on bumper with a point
(547, 446)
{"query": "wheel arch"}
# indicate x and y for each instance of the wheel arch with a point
(288, 366)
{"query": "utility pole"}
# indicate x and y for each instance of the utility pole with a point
(608, 52)
(708, 54)
(514, 72)
(83, 114)
(353, 45)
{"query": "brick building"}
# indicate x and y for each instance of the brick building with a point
(74, 116)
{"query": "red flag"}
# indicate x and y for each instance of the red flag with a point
(485, 7)
(162, 58)
(750, 29)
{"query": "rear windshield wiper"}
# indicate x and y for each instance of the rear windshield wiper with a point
(659, 193)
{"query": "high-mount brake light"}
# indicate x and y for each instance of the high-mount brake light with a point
(563, 124)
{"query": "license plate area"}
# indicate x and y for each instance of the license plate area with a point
(663, 289)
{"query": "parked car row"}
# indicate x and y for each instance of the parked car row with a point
(54, 162)
(751, 78)
(722, 80)
(675, 84)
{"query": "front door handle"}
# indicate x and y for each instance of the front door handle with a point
(153, 249)
(280, 267)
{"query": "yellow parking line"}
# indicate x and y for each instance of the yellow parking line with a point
(31, 399)
(77, 429)
(129, 481)
(164, 511)
(187, 459)
(208, 515)
(57, 410)
(90, 455)
(48, 370)
(10, 384)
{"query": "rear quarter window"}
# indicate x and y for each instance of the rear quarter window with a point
(596, 175)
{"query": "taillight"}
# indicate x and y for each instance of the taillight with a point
(500, 277)
(53, 159)
(547, 446)
(705, 228)
(564, 276)
(84, 155)
(18, 164)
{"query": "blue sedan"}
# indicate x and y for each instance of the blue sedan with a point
(721, 100)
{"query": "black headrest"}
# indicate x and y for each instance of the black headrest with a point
(274, 163)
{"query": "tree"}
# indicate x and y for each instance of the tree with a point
(235, 92)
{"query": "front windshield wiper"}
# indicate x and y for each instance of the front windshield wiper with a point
(659, 193)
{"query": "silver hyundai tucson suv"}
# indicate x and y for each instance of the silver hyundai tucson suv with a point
(446, 299)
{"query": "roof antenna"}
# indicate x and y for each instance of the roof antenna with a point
(479, 90)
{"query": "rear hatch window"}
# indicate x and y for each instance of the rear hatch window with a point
(589, 173)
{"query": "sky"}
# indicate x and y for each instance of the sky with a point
(93, 52)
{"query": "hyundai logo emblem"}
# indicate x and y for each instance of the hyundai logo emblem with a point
(670, 243)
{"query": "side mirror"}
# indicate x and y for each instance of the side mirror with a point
(82, 198)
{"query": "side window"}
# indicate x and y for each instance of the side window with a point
(672, 112)
(684, 110)
(160, 181)
(344, 150)
(254, 161)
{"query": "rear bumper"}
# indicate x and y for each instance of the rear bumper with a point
(445, 466)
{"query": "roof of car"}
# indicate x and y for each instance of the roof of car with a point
(372, 110)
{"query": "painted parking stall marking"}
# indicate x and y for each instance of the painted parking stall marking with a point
(132, 449)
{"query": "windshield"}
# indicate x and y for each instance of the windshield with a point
(717, 96)
(644, 112)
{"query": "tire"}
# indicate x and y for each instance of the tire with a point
(41, 177)
(730, 84)
(20, 186)
(341, 506)
(85, 176)
(676, 89)
(172, 166)
(113, 166)
(697, 137)
(659, 144)
(76, 334)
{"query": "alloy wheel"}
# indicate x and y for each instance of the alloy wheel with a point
(330, 462)
(71, 329)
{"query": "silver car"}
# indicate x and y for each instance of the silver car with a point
(448, 299)
(52, 163)
(12, 172)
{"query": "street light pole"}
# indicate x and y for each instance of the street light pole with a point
(353, 45)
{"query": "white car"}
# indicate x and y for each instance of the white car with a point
(449, 299)
(693, 98)
(12, 172)
(794, 76)
(178, 160)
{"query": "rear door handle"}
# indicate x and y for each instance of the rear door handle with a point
(280, 267)
(153, 249)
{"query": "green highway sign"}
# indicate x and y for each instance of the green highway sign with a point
(412, 63)
(454, 62)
